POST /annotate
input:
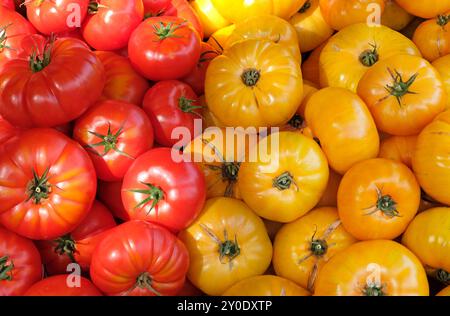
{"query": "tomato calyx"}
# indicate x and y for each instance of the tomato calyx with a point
(373, 289)
(187, 105)
(296, 121)
(227, 248)
(154, 193)
(164, 31)
(305, 7)
(443, 276)
(250, 77)
(369, 57)
(442, 20)
(144, 281)
(39, 61)
(284, 181)
(319, 247)
(4, 36)
(108, 142)
(39, 188)
(65, 245)
(385, 204)
(6, 269)
(400, 88)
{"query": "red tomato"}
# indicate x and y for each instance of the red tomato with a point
(160, 190)
(114, 133)
(78, 245)
(139, 259)
(110, 194)
(111, 22)
(156, 7)
(171, 104)
(8, 3)
(7, 131)
(76, 33)
(196, 78)
(20, 264)
(164, 48)
(123, 83)
(47, 184)
(50, 16)
(51, 89)
(63, 285)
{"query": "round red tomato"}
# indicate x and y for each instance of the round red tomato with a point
(196, 78)
(114, 133)
(172, 104)
(160, 190)
(156, 7)
(110, 194)
(123, 83)
(47, 184)
(50, 16)
(20, 264)
(139, 259)
(78, 245)
(111, 22)
(51, 89)
(8, 3)
(63, 285)
(164, 48)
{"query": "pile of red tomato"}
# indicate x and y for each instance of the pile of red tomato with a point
(354, 200)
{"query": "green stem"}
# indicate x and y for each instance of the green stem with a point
(39, 188)
(250, 77)
(154, 194)
(369, 57)
(373, 290)
(6, 270)
(400, 88)
(442, 20)
(108, 142)
(164, 31)
(284, 181)
(65, 245)
(144, 281)
(305, 7)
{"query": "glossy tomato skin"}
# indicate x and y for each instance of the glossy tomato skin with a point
(432, 37)
(377, 199)
(347, 133)
(210, 18)
(8, 4)
(58, 286)
(172, 104)
(7, 131)
(428, 237)
(426, 8)
(369, 268)
(169, 53)
(123, 83)
(444, 292)
(394, 16)
(49, 16)
(226, 219)
(288, 182)
(162, 191)
(27, 96)
(442, 65)
(266, 285)
(48, 184)
(430, 163)
(114, 134)
(109, 193)
(399, 148)
(110, 25)
(310, 67)
(196, 78)
(24, 258)
(156, 264)
(78, 245)
(295, 253)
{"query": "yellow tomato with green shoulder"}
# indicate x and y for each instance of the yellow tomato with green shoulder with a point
(342, 124)
(287, 178)
(266, 285)
(255, 83)
(227, 243)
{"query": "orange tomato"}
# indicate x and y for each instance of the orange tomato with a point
(377, 199)
(209, 119)
(398, 148)
(404, 93)
(218, 39)
(341, 13)
(373, 268)
(425, 8)
(341, 122)
(442, 65)
(302, 247)
(394, 16)
(312, 30)
(310, 67)
(266, 285)
(329, 197)
(432, 37)
(444, 292)
(431, 161)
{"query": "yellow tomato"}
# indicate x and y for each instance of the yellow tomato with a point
(341, 122)
(428, 236)
(266, 285)
(266, 27)
(210, 18)
(404, 93)
(239, 10)
(394, 16)
(442, 65)
(312, 30)
(310, 67)
(432, 37)
(425, 8)
(302, 247)
(255, 83)
(342, 13)
(218, 39)
(398, 148)
(286, 179)
(209, 120)
(377, 198)
(373, 268)
(352, 51)
(444, 292)
(431, 160)
(227, 243)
